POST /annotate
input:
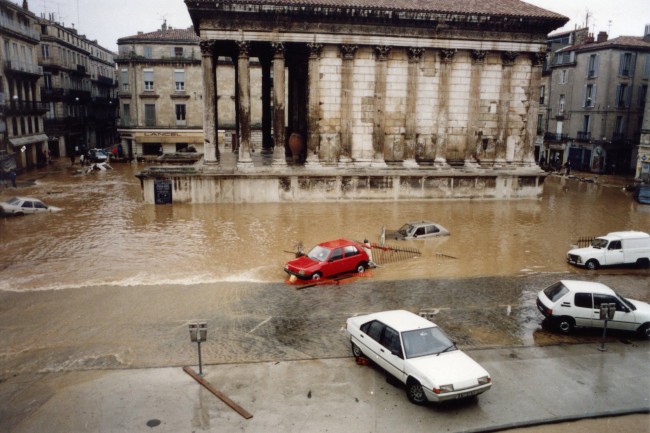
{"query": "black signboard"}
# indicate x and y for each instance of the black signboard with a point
(162, 190)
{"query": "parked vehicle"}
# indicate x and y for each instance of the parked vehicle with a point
(328, 259)
(418, 230)
(97, 155)
(642, 193)
(419, 354)
(615, 248)
(25, 205)
(569, 303)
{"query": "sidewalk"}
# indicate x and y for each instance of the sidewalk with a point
(532, 385)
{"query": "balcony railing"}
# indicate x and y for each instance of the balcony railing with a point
(15, 66)
(24, 30)
(583, 136)
(26, 107)
(553, 136)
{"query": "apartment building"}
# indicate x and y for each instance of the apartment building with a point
(594, 111)
(23, 143)
(79, 88)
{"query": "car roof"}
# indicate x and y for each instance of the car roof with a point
(417, 223)
(337, 243)
(401, 320)
(587, 286)
(628, 234)
(25, 198)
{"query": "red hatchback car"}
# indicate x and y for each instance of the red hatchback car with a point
(328, 259)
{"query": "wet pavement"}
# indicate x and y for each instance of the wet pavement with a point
(95, 303)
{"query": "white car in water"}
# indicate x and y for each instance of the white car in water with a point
(419, 354)
(25, 205)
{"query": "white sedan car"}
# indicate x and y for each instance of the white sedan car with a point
(25, 205)
(419, 354)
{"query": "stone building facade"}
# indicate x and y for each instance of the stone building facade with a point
(595, 110)
(22, 136)
(436, 83)
(79, 88)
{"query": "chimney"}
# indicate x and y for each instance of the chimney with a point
(164, 25)
(589, 39)
(602, 37)
(646, 34)
(25, 5)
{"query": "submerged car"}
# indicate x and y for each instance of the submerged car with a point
(417, 353)
(568, 304)
(642, 193)
(97, 155)
(25, 205)
(418, 230)
(329, 259)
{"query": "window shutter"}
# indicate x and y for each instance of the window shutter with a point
(596, 65)
(621, 60)
(646, 67)
(628, 96)
(632, 64)
(618, 95)
(584, 96)
(593, 95)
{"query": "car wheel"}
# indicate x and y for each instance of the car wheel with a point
(356, 351)
(566, 325)
(317, 276)
(414, 392)
(361, 268)
(592, 265)
(644, 330)
(643, 263)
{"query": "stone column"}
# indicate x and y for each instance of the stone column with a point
(530, 134)
(347, 75)
(210, 143)
(313, 115)
(279, 158)
(508, 60)
(244, 91)
(414, 55)
(267, 141)
(378, 132)
(474, 134)
(446, 60)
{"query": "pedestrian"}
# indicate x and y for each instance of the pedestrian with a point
(82, 159)
(567, 167)
(12, 176)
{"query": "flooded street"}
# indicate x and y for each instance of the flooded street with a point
(111, 282)
(106, 235)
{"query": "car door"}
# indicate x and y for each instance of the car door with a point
(335, 263)
(39, 207)
(391, 353)
(623, 318)
(614, 255)
(27, 207)
(370, 336)
(582, 310)
(351, 257)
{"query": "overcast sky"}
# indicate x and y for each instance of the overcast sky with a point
(107, 21)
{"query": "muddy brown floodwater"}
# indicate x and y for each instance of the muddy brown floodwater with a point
(106, 235)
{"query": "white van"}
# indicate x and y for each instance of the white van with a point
(615, 248)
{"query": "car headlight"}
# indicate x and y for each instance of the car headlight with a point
(444, 388)
(301, 272)
(484, 380)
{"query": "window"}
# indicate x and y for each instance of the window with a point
(179, 80)
(147, 52)
(564, 76)
(583, 300)
(50, 111)
(590, 95)
(390, 340)
(126, 114)
(337, 254)
(622, 95)
(585, 124)
(374, 329)
(562, 101)
(540, 124)
(606, 299)
(178, 51)
(46, 51)
(614, 245)
(350, 250)
(626, 66)
(592, 66)
(618, 126)
(47, 80)
(124, 78)
(542, 94)
(180, 114)
(643, 93)
(149, 114)
(148, 79)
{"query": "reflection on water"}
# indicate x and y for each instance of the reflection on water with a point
(106, 235)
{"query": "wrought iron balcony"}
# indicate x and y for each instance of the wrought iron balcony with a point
(554, 136)
(583, 136)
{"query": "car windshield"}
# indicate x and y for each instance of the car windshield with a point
(599, 243)
(627, 303)
(14, 200)
(405, 229)
(318, 253)
(428, 341)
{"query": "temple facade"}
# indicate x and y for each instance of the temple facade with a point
(428, 89)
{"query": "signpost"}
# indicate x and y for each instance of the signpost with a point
(606, 313)
(199, 334)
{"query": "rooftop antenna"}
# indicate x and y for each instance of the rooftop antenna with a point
(609, 27)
